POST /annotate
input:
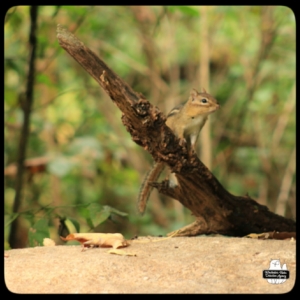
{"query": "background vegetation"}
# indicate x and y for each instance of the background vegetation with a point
(86, 170)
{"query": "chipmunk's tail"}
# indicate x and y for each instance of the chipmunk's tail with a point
(146, 189)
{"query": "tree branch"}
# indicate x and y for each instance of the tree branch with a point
(215, 209)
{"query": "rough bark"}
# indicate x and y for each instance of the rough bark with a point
(215, 209)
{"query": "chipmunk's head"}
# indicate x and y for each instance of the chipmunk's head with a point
(203, 101)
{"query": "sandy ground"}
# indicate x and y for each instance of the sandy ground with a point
(177, 265)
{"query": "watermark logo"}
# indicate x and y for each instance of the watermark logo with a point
(276, 274)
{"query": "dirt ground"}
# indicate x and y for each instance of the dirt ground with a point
(177, 265)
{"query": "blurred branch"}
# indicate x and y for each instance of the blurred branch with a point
(145, 19)
(261, 144)
(252, 70)
(289, 107)
(170, 54)
(12, 126)
(163, 13)
(51, 100)
(26, 107)
(286, 185)
(268, 35)
(32, 165)
(135, 65)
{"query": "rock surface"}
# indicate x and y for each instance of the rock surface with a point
(177, 265)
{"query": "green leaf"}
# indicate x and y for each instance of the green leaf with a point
(98, 214)
(43, 78)
(187, 10)
(38, 232)
(75, 224)
(85, 213)
(112, 210)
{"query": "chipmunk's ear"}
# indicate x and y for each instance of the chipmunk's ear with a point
(193, 94)
(204, 91)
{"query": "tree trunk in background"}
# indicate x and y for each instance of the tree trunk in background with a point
(205, 150)
(26, 105)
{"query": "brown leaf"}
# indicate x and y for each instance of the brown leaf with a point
(115, 240)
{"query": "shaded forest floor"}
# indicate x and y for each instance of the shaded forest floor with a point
(177, 265)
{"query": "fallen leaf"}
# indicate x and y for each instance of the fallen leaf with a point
(115, 240)
(120, 252)
(272, 235)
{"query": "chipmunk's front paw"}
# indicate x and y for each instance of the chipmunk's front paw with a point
(182, 141)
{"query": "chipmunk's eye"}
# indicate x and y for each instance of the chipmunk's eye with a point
(204, 100)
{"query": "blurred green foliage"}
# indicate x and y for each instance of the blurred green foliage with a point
(93, 166)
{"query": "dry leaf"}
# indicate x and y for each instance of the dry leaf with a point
(120, 252)
(115, 240)
(272, 235)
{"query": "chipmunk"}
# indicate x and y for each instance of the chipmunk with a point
(186, 121)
